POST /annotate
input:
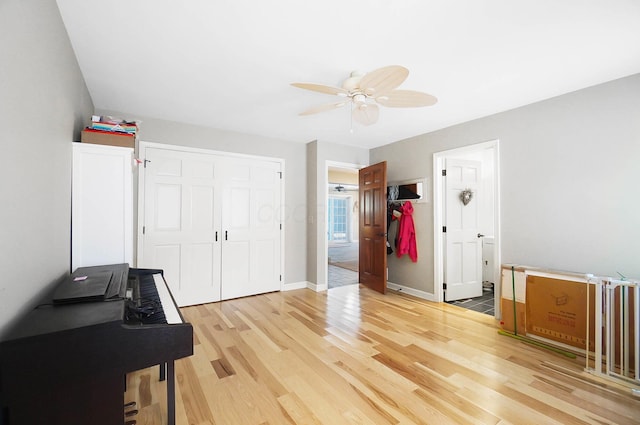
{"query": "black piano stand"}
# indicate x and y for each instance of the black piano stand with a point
(168, 370)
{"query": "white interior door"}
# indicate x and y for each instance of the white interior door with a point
(463, 244)
(251, 227)
(182, 222)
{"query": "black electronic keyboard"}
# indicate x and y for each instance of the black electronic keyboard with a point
(65, 361)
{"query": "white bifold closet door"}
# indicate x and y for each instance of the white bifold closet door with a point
(211, 222)
(251, 226)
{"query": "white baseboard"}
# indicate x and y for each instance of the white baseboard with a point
(295, 285)
(316, 287)
(304, 285)
(412, 291)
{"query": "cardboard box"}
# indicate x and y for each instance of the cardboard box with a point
(507, 316)
(108, 138)
(557, 310)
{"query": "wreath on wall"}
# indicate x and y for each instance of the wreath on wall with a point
(466, 196)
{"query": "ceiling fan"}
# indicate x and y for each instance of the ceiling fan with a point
(366, 91)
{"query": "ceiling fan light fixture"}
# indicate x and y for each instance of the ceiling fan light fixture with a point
(359, 99)
(366, 91)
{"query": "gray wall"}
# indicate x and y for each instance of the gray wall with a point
(570, 169)
(294, 154)
(44, 104)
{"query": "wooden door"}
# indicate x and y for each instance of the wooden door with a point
(463, 243)
(373, 226)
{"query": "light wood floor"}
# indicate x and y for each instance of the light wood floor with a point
(352, 356)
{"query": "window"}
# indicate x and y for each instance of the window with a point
(338, 214)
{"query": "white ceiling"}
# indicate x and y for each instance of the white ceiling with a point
(229, 64)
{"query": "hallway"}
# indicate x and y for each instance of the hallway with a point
(343, 264)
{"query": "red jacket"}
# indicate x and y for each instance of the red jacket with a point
(407, 233)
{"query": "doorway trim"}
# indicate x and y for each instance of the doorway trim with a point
(324, 243)
(438, 214)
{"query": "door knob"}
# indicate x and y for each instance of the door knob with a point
(480, 235)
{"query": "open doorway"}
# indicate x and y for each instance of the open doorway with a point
(342, 225)
(467, 230)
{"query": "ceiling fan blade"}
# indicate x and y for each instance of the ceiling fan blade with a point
(383, 80)
(406, 99)
(322, 108)
(321, 88)
(366, 114)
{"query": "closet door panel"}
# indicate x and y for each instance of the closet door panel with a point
(236, 270)
(182, 210)
(239, 204)
(252, 188)
(265, 259)
(168, 214)
(203, 205)
(199, 266)
(170, 256)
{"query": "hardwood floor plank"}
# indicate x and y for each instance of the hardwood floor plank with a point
(375, 405)
(355, 344)
(273, 344)
(209, 343)
(202, 310)
(422, 378)
(591, 410)
(506, 409)
(191, 394)
(590, 384)
(144, 390)
(201, 361)
(456, 408)
(253, 364)
(319, 330)
(353, 356)
(228, 313)
(373, 374)
(223, 368)
(435, 336)
(296, 410)
(317, 398)
(347, 396)
(396, 398)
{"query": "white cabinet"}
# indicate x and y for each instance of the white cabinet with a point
(102, 205)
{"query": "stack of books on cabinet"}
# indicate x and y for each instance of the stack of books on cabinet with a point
(110, 131)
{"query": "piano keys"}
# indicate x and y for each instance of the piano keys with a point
(65, 362)
(153, 289)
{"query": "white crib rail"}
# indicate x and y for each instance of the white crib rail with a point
(617, 329)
